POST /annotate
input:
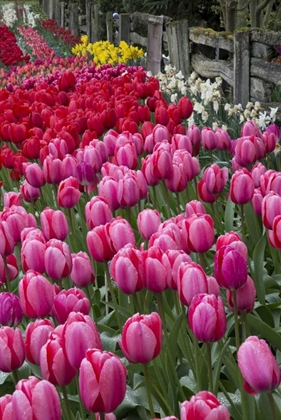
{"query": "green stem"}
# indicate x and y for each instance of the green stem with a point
(237, 341)
(66, 402)
(202, 261)
(136, 302)
(113, 297)
(162, 315)
(148, 390)
(272, 405)
(210, 369)
(15, 376)
(93, 416)
(166, 194)
(102, 415)
(82, 412)
(243, 226)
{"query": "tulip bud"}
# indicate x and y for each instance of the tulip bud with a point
(203, 405)
(148, 222)
(54, 224)
(95, 369)
(58, 262)
(258, 366)
(207, 318)
(11, 349)
(11, 313)
(230, 268)
(241, 187)
(37, 334)
(191, 280)
(82, 273)
(141, 339)
(67, 301)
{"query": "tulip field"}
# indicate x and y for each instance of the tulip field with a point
(140, 237)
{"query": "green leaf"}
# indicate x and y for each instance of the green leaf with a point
(229, 215)
(258, 258)
(265, 331)
(3, 377)
(253, 223)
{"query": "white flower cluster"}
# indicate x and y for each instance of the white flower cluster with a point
(9, 15)
(207, 98)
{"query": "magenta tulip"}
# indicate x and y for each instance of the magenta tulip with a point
(245, 297)
(204, 405)
(215, 178)
(36, 294)
(191, 280)
(53, 361)
(241, 187)
(58, 262)
(54, 224)
(258, 366)
(200, 232)
(97, 212)
(230, 268)
(67, 301)
(36, 335)
(80, 329)
(99, 369)
(141, 339)
(207, 318)
(82, 273)
(11, 313)
(36, 400)
(12, 352)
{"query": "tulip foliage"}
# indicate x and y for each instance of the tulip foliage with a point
(139, 252)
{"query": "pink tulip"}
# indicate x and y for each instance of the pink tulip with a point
(241, 187)
(128, 194)
(58, 262)
(99, 243)
(223, 139)
(213, 286)
(230, 268)
(199, 232)
(97, 368)
(215, 178)
(162, 165)
(172, 259)
(257, 201)
(155, 272)
(67, 301)
(36, 399)
(234, 240)
(54, 364)
(121, 233)
(68, 193)
(54, 224)
(12, 199)
(34, 174)
(52, 170)
(11, 349)
(178, 179)
(17, 219)
(195, 135)
(194, 207)
(11, 313)
(107, 188)
(12, 266)
(257, 171)
(207, 318)
(204, 193)
(33, 255)
(29, 194)
(245, 297)
(36, 294)
(209, 141)
(148, 222)
(126, 269)
(82, 273)
(6, 409)
(141, 339)
(80, 329)
(204, 405)
(97, 212)
(147, 170)
(37, 334)
(191, 280)
(258, 366)
(271, 207)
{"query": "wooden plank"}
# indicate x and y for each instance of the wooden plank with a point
(261, 89)
(62, 14)
(95, 24)
(73, 19)
(265, 37)
(89, 6)
(260, 50)
(154, 44)
(124, 27)
(266, 70)
(213, 68)
(241, 67)
(206, 36)
(109, 27)
(178, 46)
(138, 39)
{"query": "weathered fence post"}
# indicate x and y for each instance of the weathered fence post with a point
(62, 14)
(124, 27)
(241, 67)
(89, 5)
(178, 46)
(154, 44)
(51, 9)
(73, 19)
(95, 29)
(45, 6)
(109, 27)
(57, 11)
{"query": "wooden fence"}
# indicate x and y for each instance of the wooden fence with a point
(242, 58)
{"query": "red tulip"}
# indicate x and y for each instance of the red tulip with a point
(185, 107)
